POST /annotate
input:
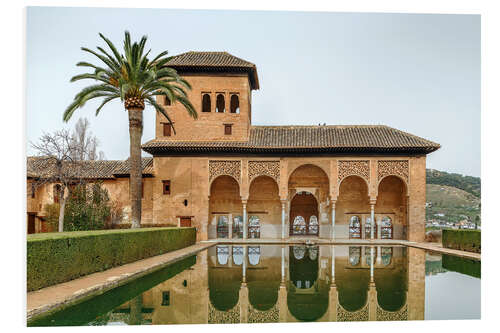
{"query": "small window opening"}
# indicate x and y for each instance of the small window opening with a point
(33, 191)
(165, 300)
(220, 103)
(228, 129)
(206, 103)
(235, 104)
(167, 129)
(166, 187)
(167, 101)
(185, 202)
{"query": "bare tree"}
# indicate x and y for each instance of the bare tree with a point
(57, 153)
(83, 138)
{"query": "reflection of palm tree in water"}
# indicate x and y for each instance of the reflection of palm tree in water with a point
(135, 311)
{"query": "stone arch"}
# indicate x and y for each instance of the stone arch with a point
(264, 202)
(353, 200)
(405, 182)
(264, 283)
(303, 207)
(391, 285)
(313, 165)
(392, 201)
(224, 200)
(220, 103)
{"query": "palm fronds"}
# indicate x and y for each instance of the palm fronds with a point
(131, 75)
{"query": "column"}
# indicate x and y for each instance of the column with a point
(372, 217)
(333, 220)
(245, 228)
(244, 268)
(230, 227)
(379, 254)
(283, 216)
(372, 252)
(333, 264)
(282, 264)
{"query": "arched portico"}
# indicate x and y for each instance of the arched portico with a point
(352, 208)
(391, 208)
(224, 208)
(264, 208)
(304, 215)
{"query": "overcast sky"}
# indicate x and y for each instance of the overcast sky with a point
(419, 73)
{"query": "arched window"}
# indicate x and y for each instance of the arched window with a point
(253, 255)
(206, 103)
(238, 255)
(386, 228)
(222, 254)
(222, 227)
(313, 225)
(254, 227)
(238, 227)
(354, 255)
(354, 227)
(299, 251)
(235, 104)
(386, 254)
(220, 103)
(368, 228)
(299, 225)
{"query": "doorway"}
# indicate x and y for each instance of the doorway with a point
(304, 215)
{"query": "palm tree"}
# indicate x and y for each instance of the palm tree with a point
(135, 80)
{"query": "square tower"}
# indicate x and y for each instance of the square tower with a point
(221, 94)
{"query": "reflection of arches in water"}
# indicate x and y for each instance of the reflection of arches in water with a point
(386, 254)
(352, 284)
(299, 251)
(222, 254)
(263, 284)
(238, 255)
(254, 255)
(368, 255)
(313, 253)
(303, 266)
(391, 282)
(354, 255)
(224, 286)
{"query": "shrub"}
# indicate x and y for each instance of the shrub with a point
(52, 215)
(58, 257)
(88, 208)
(465, 240)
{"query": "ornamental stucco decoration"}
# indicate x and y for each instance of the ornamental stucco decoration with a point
(264, 168)
(354, 168)
(399, 315)
(393, 168)
(224, 168)
(223, 317)
(269, 316)
(359, 315)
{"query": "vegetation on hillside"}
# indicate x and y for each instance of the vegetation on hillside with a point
(467, 183)
(450, 204)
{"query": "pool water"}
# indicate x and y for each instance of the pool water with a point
(274, 283)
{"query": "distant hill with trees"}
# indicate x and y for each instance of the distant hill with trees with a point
(469, 184)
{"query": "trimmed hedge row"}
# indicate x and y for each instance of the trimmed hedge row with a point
(143, 225)
(462, 265)
(465, 240)
(53, 258)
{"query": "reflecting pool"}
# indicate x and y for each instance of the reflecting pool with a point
(274, 283)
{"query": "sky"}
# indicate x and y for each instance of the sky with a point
(420, 73)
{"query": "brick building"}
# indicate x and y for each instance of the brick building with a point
(229, 178)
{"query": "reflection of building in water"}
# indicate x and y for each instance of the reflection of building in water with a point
(257, 284)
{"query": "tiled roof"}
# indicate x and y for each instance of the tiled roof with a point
(124, 167)
(213, 61)
(305, 139)
(40, 167)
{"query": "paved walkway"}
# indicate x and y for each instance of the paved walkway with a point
(63, 294)
(67, 293)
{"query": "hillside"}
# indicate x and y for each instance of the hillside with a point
(469, 184)
(451, 204)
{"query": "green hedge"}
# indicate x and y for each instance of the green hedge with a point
(58, 257)
(465, 240)
(462, 265)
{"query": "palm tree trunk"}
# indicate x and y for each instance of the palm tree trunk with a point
(135, 130)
